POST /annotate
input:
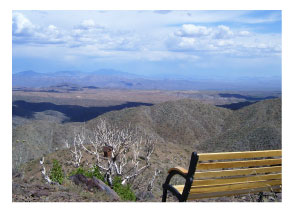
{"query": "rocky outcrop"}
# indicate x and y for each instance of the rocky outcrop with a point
(94, 183)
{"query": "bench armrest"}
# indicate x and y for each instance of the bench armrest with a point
(179, 170)
(186, 174)
(166, 186)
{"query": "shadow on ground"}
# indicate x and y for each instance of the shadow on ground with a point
(75, 113)
(249, 98)
(236, 106)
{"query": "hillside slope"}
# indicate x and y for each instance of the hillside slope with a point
(184, 122)
(32, 140)
(180, 126)
(255, 127)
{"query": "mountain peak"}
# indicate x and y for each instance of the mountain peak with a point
(27, 73)
(66, 73)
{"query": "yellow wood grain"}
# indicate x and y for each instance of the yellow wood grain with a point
(179, 169)
(239, 155)
(237, 172)
(236, 164)
(214, 182)
(275, 188)
(231, 187)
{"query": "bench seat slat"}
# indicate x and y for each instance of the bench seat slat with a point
(227, 174)
(231, 187)
(236, 164)
(237, 172)
(213, 182)
(239, 155)
(247, 185)
(275, 188)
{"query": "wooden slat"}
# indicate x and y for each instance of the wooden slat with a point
(237, 172)
(232, 187)
(214, 182)
(236, 186)
(235, 164)
(275, 188)
(239, 155)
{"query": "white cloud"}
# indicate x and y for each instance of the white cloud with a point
(87, 33)
(24, 31)
(221, 40)
(190, 30)
(223, 43)
(187, 42)
(52, 28)
(21, 25)
(89, 38)
(223, 31)
(244, 33)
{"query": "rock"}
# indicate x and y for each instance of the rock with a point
(94, 183)
(78, 179)
(100, 184)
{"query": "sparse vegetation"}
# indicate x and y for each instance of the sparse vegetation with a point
(124, 191)
(56, 173)
(94, 171)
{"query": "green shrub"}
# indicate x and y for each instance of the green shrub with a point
(88, 173)
(95, 172)
(124, 191)
(79, 170)
(56, 173)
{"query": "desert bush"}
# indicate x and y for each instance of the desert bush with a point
(94, 171)
(124, 191)
(56, 173)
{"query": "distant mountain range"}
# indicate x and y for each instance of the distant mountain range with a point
(109, 78)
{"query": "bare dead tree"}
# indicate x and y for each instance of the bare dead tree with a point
(43, 172)
(76, 147)
(130, 151)
(151, 183)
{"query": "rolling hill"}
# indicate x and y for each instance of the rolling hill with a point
(185, 122)
(180, 126)
(255, 127)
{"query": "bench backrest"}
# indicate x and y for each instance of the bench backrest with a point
(230, 173)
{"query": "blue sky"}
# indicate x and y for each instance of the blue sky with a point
(174, 44)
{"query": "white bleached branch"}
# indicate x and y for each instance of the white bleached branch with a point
(151, 183)
(76, 148)
(43, 172)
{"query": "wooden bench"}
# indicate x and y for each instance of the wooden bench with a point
(227, 174)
